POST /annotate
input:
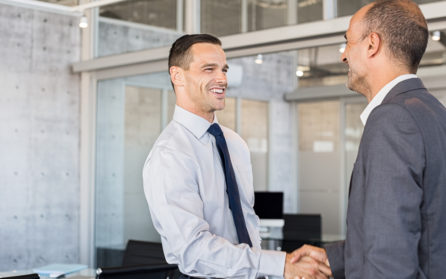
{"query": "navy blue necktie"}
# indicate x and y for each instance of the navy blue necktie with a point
(231, 185)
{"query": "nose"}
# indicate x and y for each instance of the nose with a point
(221, 78)
(344, 58)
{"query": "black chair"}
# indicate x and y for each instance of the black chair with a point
(141, 260)
(26, 276)
(300, 229)
(142, 253)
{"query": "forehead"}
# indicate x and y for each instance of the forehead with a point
(356, 26)
(206, 53)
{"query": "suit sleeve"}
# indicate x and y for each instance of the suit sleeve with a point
(393, 162)
(335, 253)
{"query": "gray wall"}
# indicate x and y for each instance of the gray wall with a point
(39, 138)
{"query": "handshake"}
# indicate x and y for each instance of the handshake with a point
(307, 262)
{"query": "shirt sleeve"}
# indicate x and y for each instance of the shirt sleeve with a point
(171, 188)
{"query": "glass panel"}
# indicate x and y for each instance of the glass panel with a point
(160, 13)
(352, 137)
(349, 7)
(319, 162)
(63, 2)
(254, 130)
(221, 17)
(130, 112)
(227, 116)
(264, 14)
(440, 94)
(309, 10)
(136, 25)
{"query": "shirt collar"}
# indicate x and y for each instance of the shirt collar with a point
(377, 100)
(197, 125)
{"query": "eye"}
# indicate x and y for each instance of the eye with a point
(208, 69)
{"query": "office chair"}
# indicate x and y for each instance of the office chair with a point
(27, 276)
(142, 253)
(300, 229)
(141, 260)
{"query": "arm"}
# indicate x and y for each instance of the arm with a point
(392, 165)
(171, 189)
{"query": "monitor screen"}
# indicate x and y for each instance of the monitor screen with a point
(269, 205)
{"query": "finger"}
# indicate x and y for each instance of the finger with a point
(325, 270)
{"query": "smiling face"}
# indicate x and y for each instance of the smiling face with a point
(355, 54)
(203, 85)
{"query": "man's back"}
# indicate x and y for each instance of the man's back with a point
(397, 204)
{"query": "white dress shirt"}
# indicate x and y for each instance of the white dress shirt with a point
(378, 99)
(185, 188)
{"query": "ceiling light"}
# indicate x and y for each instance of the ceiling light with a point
(436, 35)
(259, 59)
(299, 73)
(83, 23)
(342, 48)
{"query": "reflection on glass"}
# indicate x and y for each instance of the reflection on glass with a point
(63, 2)
(264, 14)
(349, 7)
(221, 17)
(254, 130)
(352, 137)
(309, 10)
(160, 13)
(319, 162)
(130, 113)
(227, 116)
(136, 25)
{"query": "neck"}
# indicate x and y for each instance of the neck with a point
(209, 116)
(380, 79)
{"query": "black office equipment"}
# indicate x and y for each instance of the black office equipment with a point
(138, 272)
(300, 229)
(26, 276)
(268, 205)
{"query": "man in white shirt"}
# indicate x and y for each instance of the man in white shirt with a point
(184, 179)
(396, 217)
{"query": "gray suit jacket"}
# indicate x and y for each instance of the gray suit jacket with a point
(396, 217)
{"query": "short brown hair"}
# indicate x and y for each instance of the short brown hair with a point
(179, 54)
(402, 27)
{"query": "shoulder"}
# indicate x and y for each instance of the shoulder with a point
(233, 138)
(174, 141)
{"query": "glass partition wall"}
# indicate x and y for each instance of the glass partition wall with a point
(305, 148)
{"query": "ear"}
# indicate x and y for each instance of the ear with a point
(177, 76)
(375, 44)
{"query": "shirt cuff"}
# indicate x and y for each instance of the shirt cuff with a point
(272, 263)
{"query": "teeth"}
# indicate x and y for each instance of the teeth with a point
(218, 91)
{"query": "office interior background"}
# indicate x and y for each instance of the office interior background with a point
(81, 107)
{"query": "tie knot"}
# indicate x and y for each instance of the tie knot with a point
(215, 130)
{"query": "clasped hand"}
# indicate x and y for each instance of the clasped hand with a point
(307, 262)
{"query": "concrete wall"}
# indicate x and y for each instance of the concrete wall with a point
(39, 138)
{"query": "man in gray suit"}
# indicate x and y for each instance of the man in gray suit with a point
(396, 218)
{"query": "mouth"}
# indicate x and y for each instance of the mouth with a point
(219, 91)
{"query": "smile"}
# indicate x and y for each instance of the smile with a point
(217, 90)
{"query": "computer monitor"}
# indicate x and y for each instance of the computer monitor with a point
(269, 205)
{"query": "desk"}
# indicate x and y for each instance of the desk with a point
(88, 273)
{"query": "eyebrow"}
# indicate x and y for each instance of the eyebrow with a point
(225, 67)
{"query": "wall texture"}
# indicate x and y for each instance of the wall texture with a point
(39, 138)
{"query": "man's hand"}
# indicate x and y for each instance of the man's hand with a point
(317, 254)
(305, 268)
